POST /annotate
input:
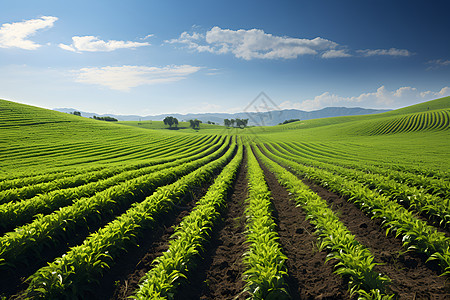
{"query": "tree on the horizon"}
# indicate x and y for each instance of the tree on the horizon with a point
(227, 122)
(169, 120)
(195, 124)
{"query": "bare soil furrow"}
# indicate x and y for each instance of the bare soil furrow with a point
(309, 276)
(219, 275)
(412, 277)
(123, 278)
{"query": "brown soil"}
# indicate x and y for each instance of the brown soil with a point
(219, 275)
(412, 277)
(309, 276)
(123, 278)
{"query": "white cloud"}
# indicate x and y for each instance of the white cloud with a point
(14, 35)
(93, 44)
(381, 98)
(125, 77)
(336, 53)
(147, 36)
(253, 43)
(388, 52)
(437, 63)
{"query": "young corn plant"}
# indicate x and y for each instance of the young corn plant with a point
(173, 267)
(28, 241)
(416, 234)
(265, 272)
(354, 261)
(86, 263)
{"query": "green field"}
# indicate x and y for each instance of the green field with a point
(78, 195)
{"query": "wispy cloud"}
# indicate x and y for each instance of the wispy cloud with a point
(15, 35)
(255, 43)
(94, 44)
(437, 63)
(381, 98)
(125, 77)
(336, 53)
(386, 52)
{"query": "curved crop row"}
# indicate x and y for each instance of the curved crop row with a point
(265, 272)
(69, 275)
(15, 246)
(188, 240)
(412, 197)
(416, 234)
(435, 186)
(26, 192)
(355, 261)
(433, 120)
(17, 213)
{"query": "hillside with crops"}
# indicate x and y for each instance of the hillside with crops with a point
(353, 207)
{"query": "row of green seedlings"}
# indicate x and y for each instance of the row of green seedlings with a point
(416, 234)
(109, 146)
(355, 262)
(28, 242)
(18, 213)
(372, 160)
(22, 180)
(415, 122)
(432, 206)
(265, 263)
(29, 191)
(436, 186)
(78, 271)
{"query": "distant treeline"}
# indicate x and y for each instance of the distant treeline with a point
(289, 121)
(109, 119)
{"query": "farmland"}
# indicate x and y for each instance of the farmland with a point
(335, 208)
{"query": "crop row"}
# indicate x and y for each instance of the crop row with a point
(357, 154)
(69, 276)
(412, 197)
(265, 272)
(29, 191)
(413, 122)
(19, 180)
(17, 213)
(354, 261)
(416, 234)
(15, 247)
(173, 267)
(435, 186)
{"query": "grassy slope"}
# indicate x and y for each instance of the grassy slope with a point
(33, 138)
(429, 148)
(159, 125)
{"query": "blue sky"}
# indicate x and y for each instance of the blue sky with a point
(154, 57)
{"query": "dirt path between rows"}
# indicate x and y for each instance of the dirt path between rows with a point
(309, 276)
(123, 278)
(219, 275)
(411, 277)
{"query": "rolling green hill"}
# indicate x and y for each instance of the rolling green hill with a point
(78, 195)
(34, 139)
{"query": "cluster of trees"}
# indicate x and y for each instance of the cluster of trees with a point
(109, 119)
(236, 123)
(76, 113)
(289, 121)
(170, 121)
(195, 123)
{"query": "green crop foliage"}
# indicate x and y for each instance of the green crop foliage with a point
(416, 234)
(354, 261)
(174, 266)
(265, 272)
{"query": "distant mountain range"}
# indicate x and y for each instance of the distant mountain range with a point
(268, 118)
